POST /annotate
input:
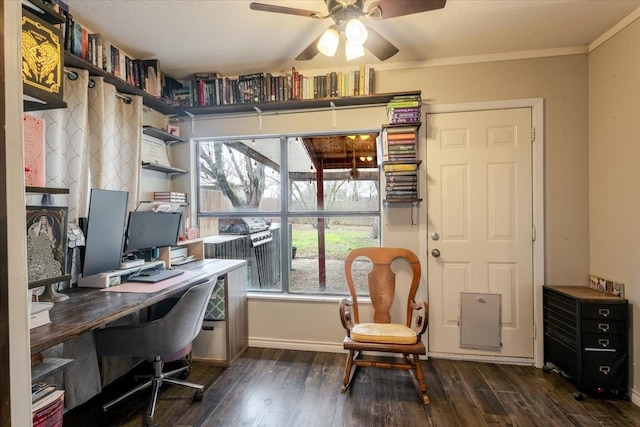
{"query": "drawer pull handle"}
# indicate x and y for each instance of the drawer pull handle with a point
(603, 342)
(604, 312)
(605, 369)
(604, 327)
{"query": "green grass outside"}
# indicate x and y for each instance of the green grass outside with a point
(339, 241)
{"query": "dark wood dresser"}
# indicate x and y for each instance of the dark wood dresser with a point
(586, 337)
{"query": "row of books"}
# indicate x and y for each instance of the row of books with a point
(144, 74)
(401, 182)
(404, 109)
(399, 144)
(170, 197)
(211, 89)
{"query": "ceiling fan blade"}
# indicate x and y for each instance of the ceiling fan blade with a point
(282, 9)
(394, 8)
(310, 51)
(382, 48)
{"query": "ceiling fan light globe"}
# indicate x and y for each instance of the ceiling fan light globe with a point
(353, 51)
(355, 31)
(328, 43)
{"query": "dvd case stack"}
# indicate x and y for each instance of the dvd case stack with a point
(404, 109)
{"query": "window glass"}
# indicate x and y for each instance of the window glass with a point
(329, 200)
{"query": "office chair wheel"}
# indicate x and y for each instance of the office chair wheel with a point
(198, 395)
(184, 374)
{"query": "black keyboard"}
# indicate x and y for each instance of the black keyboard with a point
(154, 276)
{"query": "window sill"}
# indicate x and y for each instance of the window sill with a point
(263, 296)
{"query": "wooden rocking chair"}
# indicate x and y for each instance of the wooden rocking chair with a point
(382, 335)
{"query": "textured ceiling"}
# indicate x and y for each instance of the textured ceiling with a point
(227, 37)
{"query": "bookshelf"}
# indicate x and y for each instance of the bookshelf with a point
(168, 139)
(162, 105)
(400, 163)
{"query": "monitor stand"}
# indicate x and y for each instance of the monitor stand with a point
(115, 277)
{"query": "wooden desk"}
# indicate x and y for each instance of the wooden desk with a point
(89, 308)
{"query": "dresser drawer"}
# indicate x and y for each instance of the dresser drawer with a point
(604, 370)
(604, 311)
(604, 342)
(605, 327)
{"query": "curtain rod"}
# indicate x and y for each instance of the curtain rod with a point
(72, 75)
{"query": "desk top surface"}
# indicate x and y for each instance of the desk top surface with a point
(89, 308)
(585, 293)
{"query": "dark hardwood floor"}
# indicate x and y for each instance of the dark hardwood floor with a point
(269, 387)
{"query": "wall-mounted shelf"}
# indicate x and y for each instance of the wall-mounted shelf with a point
(319, 103)
(162, 105)
(160, 134)
(169, 170)
(158, 104)
(44, 11)
(48, 367)
(46, 190)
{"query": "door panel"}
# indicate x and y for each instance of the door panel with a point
(479, 167)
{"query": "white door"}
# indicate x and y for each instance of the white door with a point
(480, 220)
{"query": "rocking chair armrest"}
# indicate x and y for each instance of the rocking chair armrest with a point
(345, 313)
(422, 318)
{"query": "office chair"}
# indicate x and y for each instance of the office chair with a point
(161, 340)
(383, 335)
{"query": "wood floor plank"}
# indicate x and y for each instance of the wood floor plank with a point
(286, 388)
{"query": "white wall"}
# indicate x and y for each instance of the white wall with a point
(561, 81)
(614, 156)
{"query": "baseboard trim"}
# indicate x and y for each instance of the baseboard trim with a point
(484, 358)
(635, 397)
(327, 347)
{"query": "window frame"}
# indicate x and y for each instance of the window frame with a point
(285, 214)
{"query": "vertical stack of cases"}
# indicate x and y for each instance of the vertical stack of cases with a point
(400, 162)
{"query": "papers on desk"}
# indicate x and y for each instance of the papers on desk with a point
(39, 314)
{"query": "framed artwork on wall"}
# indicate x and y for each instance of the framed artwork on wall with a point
(46, 241)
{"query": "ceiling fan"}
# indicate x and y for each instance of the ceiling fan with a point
(346, 16)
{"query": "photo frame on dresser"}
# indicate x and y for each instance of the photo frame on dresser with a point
(46, 241)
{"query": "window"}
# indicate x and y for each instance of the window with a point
(293, 207)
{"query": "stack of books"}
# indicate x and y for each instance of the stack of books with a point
(404, 109)
(47, 405)
(170, 197)
(39, 314)
(399, 144)
(402, 182)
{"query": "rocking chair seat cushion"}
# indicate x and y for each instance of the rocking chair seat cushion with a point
(388, 333)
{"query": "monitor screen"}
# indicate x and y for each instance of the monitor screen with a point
(147, 230)
(105, 231)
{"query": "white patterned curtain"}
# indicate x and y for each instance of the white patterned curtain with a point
(115, 132)
(93, 143)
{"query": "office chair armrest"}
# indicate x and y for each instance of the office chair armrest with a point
(345, 314)
(422, 318)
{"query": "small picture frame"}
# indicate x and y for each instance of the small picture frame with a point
(46, 241)
(173, 130)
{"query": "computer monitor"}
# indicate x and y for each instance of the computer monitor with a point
(104, 234)
(147, 230)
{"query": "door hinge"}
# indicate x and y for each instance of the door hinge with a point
(533, 233)
(535, 332)
(533, 134)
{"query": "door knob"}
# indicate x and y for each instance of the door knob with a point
(435, 253)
